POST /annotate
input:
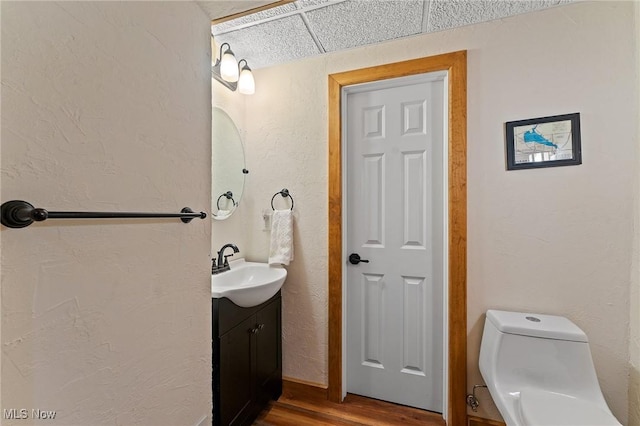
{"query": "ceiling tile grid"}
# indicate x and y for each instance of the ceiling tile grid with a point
(306, 4)
(357, 23)
(255, 17)
(309, 27)
(271, 42)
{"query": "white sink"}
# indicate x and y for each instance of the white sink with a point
(248, 283)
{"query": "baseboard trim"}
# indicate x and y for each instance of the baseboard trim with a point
(479, 421)
(304, 382)
(297, 389)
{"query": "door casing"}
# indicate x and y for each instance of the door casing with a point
(455, 64)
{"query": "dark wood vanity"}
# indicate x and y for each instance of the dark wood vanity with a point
(247, 359)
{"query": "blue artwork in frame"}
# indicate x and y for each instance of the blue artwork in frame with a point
(544, 142)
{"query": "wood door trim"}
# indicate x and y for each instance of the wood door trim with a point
(456, 65)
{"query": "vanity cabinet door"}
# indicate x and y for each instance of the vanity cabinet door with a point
(236, 379)
(269, 352)
(247, 360)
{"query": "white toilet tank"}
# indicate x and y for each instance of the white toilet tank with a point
(540, 359)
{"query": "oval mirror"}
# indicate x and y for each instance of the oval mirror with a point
(227, 165)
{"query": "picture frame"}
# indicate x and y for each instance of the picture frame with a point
(544, 142)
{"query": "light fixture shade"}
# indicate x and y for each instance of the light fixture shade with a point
(229, 66)
(246, 83)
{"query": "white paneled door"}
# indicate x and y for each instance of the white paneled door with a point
(395, 223)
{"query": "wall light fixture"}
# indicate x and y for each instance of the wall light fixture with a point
(228, 71)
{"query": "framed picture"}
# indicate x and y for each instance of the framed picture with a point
(544, 142)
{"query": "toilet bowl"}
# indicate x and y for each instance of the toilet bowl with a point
(539, 371)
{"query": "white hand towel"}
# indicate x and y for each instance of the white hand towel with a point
(281, 250)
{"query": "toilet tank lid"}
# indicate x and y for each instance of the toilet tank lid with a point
(536, 325)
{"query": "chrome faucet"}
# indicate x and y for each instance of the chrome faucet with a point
(223, 265)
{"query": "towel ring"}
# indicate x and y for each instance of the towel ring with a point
(285, 194)
(229, 196)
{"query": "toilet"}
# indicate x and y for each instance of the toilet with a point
(539, 371)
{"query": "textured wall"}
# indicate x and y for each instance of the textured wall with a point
(556, 241)
(279, 155)
(634, 340)
(105, 106)
(286, 148)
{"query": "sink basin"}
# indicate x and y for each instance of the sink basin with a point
(248, 284)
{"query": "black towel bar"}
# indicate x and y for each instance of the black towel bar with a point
(20, 214)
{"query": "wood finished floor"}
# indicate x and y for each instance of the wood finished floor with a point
(303, 405)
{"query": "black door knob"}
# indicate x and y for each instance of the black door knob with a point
(354, 259)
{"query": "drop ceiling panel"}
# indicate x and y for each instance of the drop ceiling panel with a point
(445, 14)
(271, 42)
(311, 3)
(308, 27)
(217, 9)
(356, 23)
(258, 16)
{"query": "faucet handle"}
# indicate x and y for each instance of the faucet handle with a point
(226, 261)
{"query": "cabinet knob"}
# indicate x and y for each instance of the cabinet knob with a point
(256, 329)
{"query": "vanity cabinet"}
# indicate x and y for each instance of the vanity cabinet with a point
(247, 359)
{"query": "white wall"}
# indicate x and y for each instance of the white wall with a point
(105, 106)
(557, 240)
(634, 342)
